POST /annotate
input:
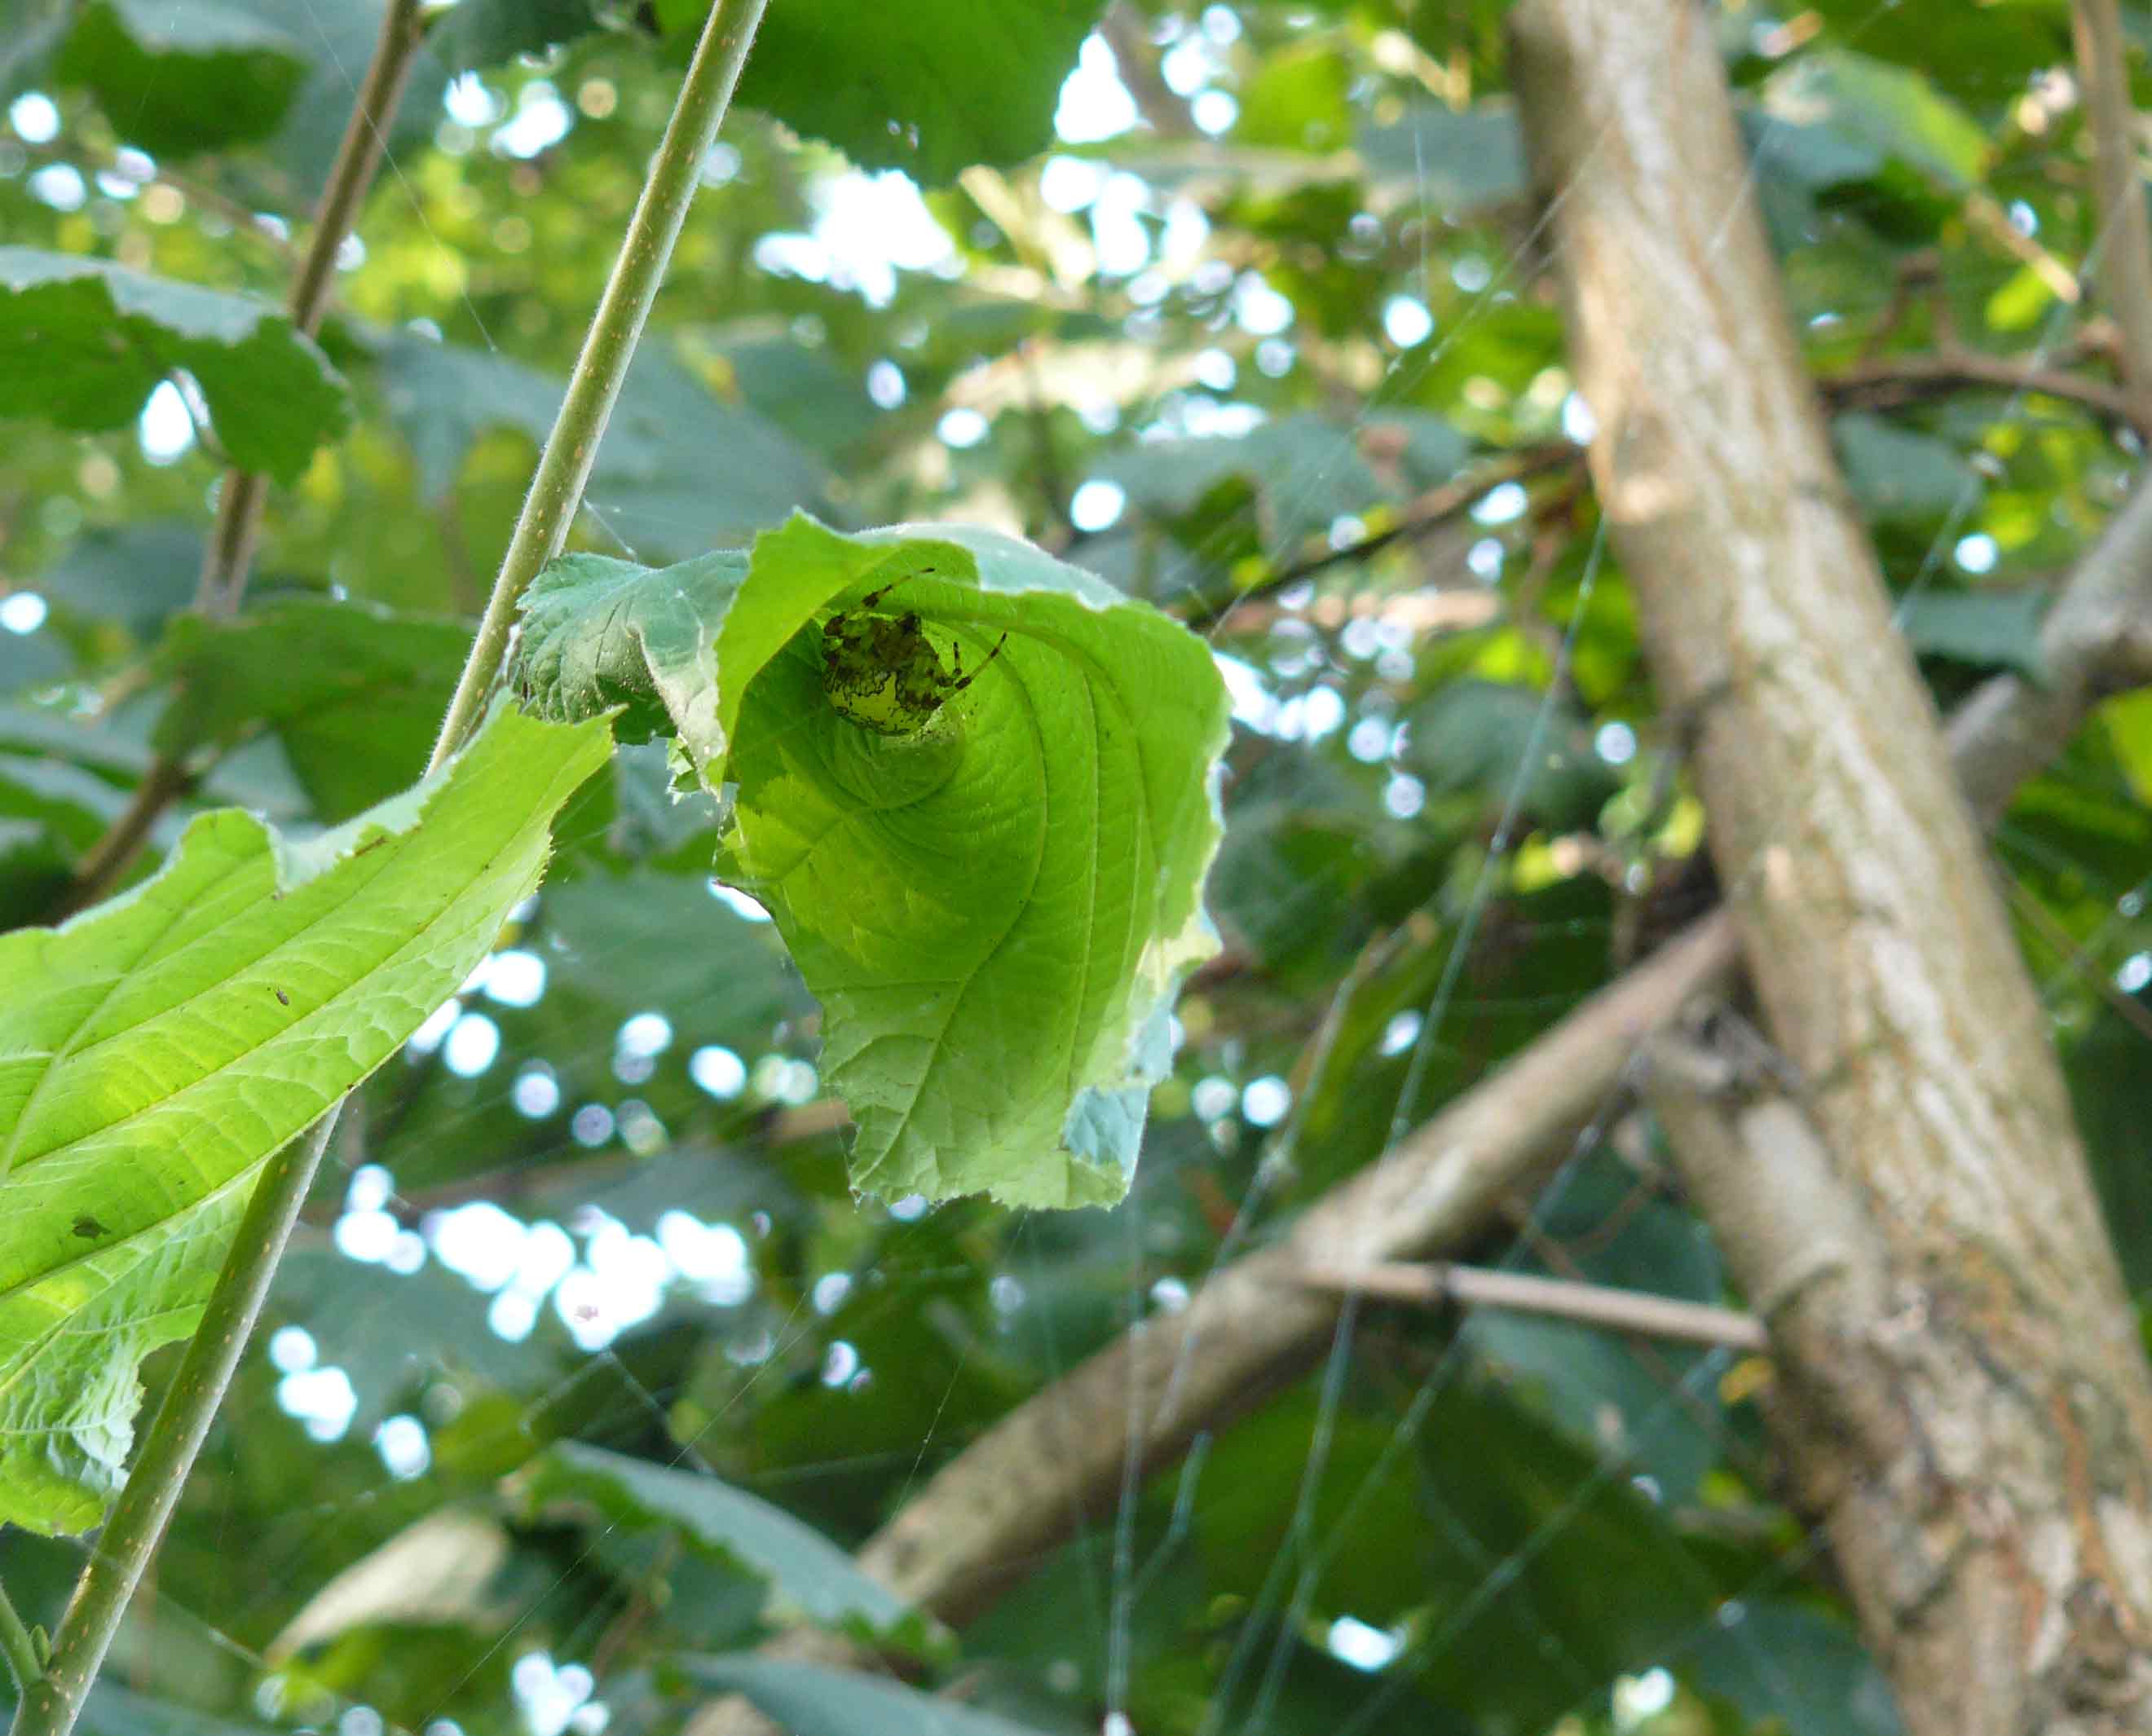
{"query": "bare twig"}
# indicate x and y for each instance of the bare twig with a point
(1887, 382)
(1879, 382)
(1621, 1310)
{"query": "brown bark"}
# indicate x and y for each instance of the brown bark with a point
(1967, 1401)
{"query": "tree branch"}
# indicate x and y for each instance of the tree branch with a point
(1880, 382)
(2124, 252)
(1594, 1305)
(1935, 1267)
(1886, 383)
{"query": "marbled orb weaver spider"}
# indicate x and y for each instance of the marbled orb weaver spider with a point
(882, 673)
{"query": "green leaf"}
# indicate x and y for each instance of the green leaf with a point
(83, 342)
(1898, 474)
(29, 660)
(929, 88)
(490, 32)
(353, 692)
(1988, 629)
(339, 41)
(1472, 734)
(1885, 108)
(679, 468)
(1311, 466)
(994, 908)
(1454, 161)
(156, 1050)
(177, 76)
(808, 1700)
(137, 575)
(811, 1577)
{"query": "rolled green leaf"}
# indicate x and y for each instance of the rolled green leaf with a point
(975, 787)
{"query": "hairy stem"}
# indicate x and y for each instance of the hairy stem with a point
(51, 1706)
(556, 489)
(130, 1536)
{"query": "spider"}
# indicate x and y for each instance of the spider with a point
(882, 671)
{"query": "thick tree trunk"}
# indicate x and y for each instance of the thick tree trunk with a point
(1964, 1398)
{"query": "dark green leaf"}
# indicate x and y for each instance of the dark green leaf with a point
(679, 470)
(83, 342)
(355, 694)
(1897, 474)
(179, 76)
(929, 88)
(810, 1576)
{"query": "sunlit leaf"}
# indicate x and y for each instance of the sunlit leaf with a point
(156, 1050)
(994, 904)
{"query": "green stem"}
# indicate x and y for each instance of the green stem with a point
(557, 490)
(130, 1538)
(51, 1706)
(16, 1647)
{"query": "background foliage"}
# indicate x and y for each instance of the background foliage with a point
(1261, 334)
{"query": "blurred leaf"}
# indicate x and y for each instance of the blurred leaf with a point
(136, 574)
(810, 1576)
(83, 343)
(355, 694)
(1310, 470)
(1988, 629)
(491, 33)
(180, 77)
(177, 1037)
(1043, 956)
(1296, 99)
(1885, 108)
(810, 1701)
(112, 1711)
(444, 1570)
(1454, 160)
(393, 1333)
(1789, 1663)
(28, 660)
(339, 42)
(1897, 474)
(929, 88)
(1509, 743)
(678, 471)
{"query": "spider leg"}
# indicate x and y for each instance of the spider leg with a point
(963, 680)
